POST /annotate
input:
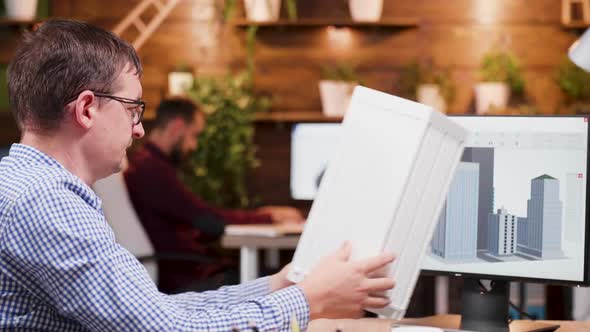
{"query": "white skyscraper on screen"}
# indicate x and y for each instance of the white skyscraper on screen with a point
(502, 233)
(455, 237)
(544, 219)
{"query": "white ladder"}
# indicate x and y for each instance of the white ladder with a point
(163, 7)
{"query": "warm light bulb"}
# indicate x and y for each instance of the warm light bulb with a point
(339, 37)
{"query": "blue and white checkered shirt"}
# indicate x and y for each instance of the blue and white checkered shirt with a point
(61, 269)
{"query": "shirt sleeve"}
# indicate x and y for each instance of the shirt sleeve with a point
(62, 249)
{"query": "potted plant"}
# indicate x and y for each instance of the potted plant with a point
(217, 170)
(500, 76)
(180, 80)
(336, 86)
(365, 10)
(574, 82)
(427, 85)
(21, 9)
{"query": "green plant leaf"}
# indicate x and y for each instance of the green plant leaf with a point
(573, 81)
(414, 74)
(217, 170)
(229, 9)
(292, 9)
(340, 72)
(498, 66)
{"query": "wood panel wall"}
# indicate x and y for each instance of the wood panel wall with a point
(454, 34)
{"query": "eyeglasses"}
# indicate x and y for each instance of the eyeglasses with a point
(136, 113)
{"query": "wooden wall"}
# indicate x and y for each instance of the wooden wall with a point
(454, 34)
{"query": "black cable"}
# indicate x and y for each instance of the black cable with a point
(522, 313)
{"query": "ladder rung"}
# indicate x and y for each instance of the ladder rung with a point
(158, 4)
(139, 24)
(145, 29)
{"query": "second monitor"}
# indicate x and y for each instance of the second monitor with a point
(517, 208)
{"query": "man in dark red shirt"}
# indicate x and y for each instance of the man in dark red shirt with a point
(175, 219)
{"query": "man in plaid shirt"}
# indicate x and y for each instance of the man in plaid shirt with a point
(75, 93)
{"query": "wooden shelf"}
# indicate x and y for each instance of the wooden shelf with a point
(395, 23)
(576, 26)
(295, 116)
(17, 23)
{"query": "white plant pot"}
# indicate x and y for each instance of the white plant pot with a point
(490, 94)
(365, 10)
(21, 9)
(335, 96)
(179, 82)
(262, 10)
(429, 94)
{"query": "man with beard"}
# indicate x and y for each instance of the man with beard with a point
(175, 219)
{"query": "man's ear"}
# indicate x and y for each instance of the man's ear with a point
(85, 109)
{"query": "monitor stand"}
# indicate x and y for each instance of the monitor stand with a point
(487, 311)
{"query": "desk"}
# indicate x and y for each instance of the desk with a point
(442, 321)
(249, 246)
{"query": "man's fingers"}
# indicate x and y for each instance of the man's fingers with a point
(374, 263)
(379, 284)
(375, 302)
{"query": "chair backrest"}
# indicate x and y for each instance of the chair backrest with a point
(123, 219)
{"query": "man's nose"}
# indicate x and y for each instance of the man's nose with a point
(138, 131)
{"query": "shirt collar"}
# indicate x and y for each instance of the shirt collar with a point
(29, 153)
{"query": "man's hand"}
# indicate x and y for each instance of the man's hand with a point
(338, 288)
(282, 214)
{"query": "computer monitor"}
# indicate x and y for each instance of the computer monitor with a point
(312, 145)
(517, 207)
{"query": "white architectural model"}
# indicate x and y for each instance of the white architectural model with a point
(384, 188)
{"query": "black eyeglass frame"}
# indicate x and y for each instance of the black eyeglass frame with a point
(137, 102)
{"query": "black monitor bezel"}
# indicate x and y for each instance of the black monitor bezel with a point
(583, 283)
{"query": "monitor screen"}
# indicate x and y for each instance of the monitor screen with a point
(516, 207)
(312, 145)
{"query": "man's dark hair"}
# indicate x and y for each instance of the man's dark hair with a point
(59, 60)
(172, 108)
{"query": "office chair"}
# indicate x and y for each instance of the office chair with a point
(128, 229)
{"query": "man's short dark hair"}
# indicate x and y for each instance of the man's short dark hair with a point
(172, 108)
(59, 60)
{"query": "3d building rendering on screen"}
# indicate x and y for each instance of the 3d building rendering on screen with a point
(544, 219)
(455, 236)
(470, 231)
